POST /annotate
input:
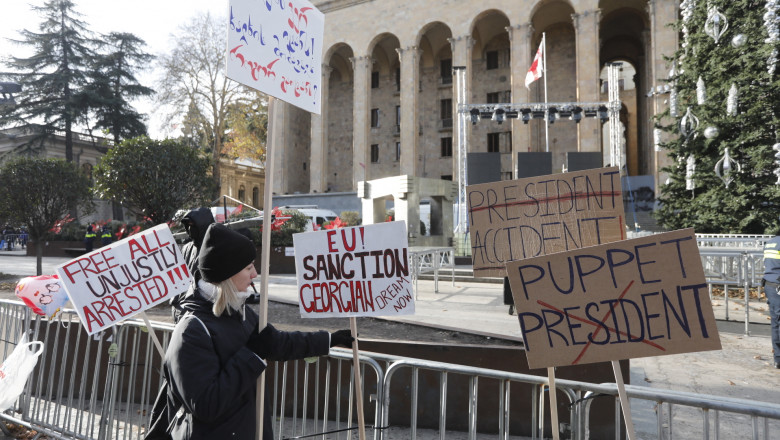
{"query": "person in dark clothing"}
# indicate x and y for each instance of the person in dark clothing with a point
(216, 353)
(195, 222)
(771, 283)
(105, 236)
(89, 239)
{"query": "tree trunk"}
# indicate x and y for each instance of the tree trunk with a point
(38, 256)
(216, 176)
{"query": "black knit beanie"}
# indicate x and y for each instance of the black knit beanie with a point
(224, 253)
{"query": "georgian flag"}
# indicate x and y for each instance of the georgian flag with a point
(537, 67)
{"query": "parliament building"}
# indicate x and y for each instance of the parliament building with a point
(389, 101)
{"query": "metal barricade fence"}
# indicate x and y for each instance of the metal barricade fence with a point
(733, 268)
(63, 396)
(431, 259)
(732, 240)
(103, 387)
(741, 419)
(745, 418)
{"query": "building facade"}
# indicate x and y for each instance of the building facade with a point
(389, 102)
(87, 151)
(240, 179)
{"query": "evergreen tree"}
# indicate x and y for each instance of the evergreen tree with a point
(53, 79)
(114, 83)
(745, 197)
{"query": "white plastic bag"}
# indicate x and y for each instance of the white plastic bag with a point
(15, 370)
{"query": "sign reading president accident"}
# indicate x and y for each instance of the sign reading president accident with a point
(516, 219)
(621, 300)
(355, 271)
(129, 276)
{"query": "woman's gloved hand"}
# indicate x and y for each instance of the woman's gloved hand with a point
(342, 338)
(260, 343)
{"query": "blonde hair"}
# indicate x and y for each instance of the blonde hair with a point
(227, 298)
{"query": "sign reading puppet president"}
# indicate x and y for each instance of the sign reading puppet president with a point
(124, 278)
(517, 219)
(355, 271)
(633, 298)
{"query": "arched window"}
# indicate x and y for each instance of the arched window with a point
(87, 170)
(256, 197)
(241, 193)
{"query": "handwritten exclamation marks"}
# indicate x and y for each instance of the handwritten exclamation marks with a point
(362, 237)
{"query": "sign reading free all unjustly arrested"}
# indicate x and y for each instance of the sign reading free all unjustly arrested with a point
(124, 278)
(621, 300)
(355, 271)
(516, 219)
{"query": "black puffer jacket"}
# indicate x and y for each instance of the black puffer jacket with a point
(195, 222)
(211, 371)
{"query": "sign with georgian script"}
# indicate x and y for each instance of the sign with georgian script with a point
(275, 46)
(517, 219)
(117, 281)
(626, 299)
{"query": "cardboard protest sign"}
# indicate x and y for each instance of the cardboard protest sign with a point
(356, 271)
(124, 278)
(633, 298)
(275, 46)
(516, 219)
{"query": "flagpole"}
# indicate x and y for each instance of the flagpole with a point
(546, 110)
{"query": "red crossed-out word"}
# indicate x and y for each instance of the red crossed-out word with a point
(599, 327)
(551, 199)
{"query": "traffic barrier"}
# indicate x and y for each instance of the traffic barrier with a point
(103, 387)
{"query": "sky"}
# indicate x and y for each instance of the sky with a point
(151, 20)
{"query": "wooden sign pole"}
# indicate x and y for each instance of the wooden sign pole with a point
(153, 335)
(358, 383)
(265, 252)
(624, 404)
(553, 403)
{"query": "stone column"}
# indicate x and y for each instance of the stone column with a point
(461, 57)
(277, 127)
(664, 43)
(360, 118)
(586, 26)
(318, 164)
(410, 86)
(520, 40)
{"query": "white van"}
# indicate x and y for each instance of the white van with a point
(316, 215)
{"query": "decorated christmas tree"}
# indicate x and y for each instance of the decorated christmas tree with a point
(721, 129)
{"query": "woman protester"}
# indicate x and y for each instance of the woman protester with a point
(216, 353)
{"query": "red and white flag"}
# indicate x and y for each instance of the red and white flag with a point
(537, 67)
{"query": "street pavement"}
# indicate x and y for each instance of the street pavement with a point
(742, 369)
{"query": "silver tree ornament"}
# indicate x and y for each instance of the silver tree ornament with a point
(716, 24)
(701, 92)
(732, 100)
(688, 125)
(690, 170)
(726, 168)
